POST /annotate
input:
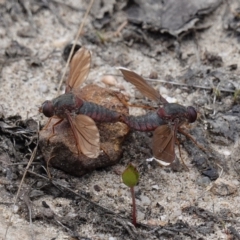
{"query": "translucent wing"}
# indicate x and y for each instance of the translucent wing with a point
(86, 134)
(142, 85)
(163, 144)
(79, 69)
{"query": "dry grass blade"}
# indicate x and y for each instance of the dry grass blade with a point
(182, 84)
(22, 180)
(74, 44)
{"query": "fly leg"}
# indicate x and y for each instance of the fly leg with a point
(48, 122)
(46, 126)
(180, 154)
(122, 99)
(53, 129)
(48, 170)
(176, 127)
(192, 139)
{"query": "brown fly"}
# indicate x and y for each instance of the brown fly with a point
(67, 105)
(165, 122)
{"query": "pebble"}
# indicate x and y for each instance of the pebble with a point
(171, 100)
(101, 236)
(112, 238)
(145, 200)
(201, 101)
(15, 208)
(140, 216)
(203, 181)
(178, 91)
(223, 187)
(46, 212)
(155, 187)
(136, 111)
(211, 172)
(109, 80)
(97, 188)
(71, 215)
(43, 88)
(176, 214)
(163, 90)
(60, 43)
(153, 75)
(138, 95)
(2, 32)
(39, 184)
(229, 86)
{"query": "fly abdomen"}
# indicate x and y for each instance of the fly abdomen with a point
(98, 113)
(148, 122)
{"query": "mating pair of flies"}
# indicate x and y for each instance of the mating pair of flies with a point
(81, 114)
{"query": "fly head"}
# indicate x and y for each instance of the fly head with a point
(192, 114)
(47, 109)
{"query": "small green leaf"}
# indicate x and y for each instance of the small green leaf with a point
(130, 176)
(236, 94)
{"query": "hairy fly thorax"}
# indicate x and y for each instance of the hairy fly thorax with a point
(59, 106)
(172, 111)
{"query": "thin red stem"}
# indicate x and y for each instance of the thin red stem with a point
(134, 214)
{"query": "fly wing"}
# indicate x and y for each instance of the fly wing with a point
(79, 69)
(86, 134)
(142, 85)
(163, 144)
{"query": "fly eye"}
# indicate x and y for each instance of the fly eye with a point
(192, 114)
(47, 109)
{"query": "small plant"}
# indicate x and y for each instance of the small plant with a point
(130, 178)
(236, 95)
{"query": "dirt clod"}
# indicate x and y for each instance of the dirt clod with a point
(61, 151)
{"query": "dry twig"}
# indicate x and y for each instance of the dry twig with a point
(74, 44)
(183, 84)
(21, 183)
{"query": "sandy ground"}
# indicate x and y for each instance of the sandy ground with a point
(24, 88)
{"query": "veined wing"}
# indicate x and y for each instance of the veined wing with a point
(86, 134)
(163, 144)
(79, 69)
(142, 85)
